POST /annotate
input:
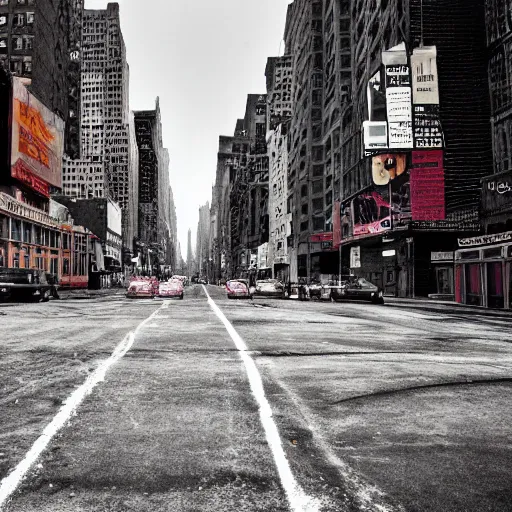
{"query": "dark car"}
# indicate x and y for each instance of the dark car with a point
(357, 288)
(24, 284)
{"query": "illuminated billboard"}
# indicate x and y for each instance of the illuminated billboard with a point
(37, 141)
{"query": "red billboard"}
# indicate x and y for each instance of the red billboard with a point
(427, 186)
(37, 141)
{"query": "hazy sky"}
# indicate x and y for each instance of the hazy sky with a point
(202, 57)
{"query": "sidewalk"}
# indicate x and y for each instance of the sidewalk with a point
(445, 306)
(84, 293)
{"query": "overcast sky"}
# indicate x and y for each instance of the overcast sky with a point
(202, 57)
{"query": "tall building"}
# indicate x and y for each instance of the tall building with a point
(203, 240)
(108, 166)
(248, 197)
(190, 256)
(40, 42)
(483, 264)
(156, 230)
(279, 89)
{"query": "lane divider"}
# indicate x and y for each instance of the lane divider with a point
(299, 501)
(11, 482)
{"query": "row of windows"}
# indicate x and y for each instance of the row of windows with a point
(20, 19)
(17, 2)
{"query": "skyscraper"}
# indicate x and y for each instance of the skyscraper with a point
(108, 166)
(156, 229)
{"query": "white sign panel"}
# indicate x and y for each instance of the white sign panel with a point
(355, 257)
(425, 86)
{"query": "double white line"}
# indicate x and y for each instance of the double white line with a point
(298, 499)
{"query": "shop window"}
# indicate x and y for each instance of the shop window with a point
(495, 295)
(473, 285)
(444, 279)
(65, 267)
(470, 255)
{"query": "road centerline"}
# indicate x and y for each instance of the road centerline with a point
(299, 501)
(11, 482)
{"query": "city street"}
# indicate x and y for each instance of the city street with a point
(400, 407)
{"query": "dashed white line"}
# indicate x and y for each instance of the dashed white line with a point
(299, 501)
(11, 482)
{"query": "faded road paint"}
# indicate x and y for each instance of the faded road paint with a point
(11, 482)
(298, 499)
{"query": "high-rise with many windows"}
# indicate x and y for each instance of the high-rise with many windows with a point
(108, 166)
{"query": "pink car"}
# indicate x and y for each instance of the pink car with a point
(172, 288)
(238, 289)
(140, 289)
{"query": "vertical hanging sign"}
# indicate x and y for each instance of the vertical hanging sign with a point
(425, 97)
(398, 97)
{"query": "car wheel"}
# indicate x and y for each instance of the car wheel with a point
(181, 296)
(46, 296)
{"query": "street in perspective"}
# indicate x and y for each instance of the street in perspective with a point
(256, 256)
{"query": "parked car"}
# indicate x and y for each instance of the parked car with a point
(238, 289)
(269, 288)
(357, 288)
(140, 289)
(24, 284)
(171, 288)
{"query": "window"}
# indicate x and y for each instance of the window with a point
(19, 19)
(30, 18)
(16, 230)
(3, 20)
(17, 43)
(4, 2)
(65, 267)
(318, 223)
(27, 232)
(27, 42)
(27, 66)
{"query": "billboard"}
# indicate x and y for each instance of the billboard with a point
(371, 214)
(427, 186)
(387, 167)
(425, 97)
(37, 141)
(398, 97)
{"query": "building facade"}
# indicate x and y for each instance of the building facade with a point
(483, 264)
(203, 241)
(156, 235)
(341, 81)
(108, 167)
(40, 42)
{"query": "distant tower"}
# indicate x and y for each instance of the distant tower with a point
(190, 256)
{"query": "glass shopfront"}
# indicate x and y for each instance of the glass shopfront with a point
(486, 276)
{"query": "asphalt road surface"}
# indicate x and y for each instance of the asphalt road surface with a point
(118, 405)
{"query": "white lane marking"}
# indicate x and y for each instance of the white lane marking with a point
(298, 499)
(11, 482)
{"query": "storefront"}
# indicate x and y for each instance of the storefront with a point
(483, 274)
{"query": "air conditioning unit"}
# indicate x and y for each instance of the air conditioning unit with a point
(375, 135)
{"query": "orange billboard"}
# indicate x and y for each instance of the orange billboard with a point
(37, 139)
